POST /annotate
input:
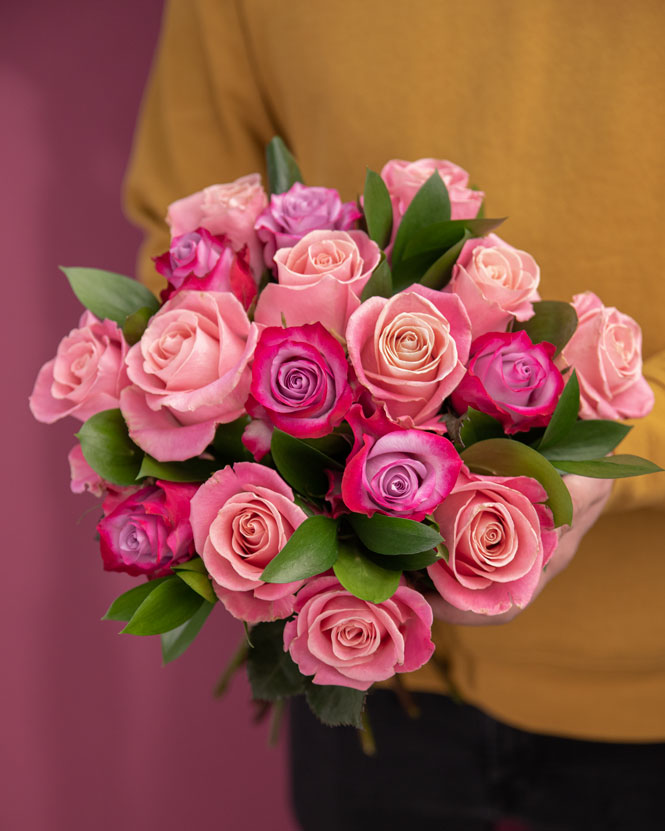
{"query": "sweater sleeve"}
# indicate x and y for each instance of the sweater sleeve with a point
(203, 118)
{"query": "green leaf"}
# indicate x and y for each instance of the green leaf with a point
(393, 535)
(200, 583)
(610, 467)
(165, 608)
(591, 439)
(175, 642)
(124, 606)
(283, 170)
(378, 210)
(380, 284)
(195, 564)
(136, 324)
(193, 470)
(109, 295)
(564, 416)
(363, 577)
(439, 273)
(271, 670)
(310, 550)
(409, 562)
(506, 457)
(477, 426)
(227, 444)
(108, 449)
(439, 236)
(301, 465)
(431, 204)
(336, 706)
(554, 322)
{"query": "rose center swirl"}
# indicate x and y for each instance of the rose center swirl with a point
(297, 381)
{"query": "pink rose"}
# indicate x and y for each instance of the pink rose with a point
(230, 209)
(404, 180)
(300, 378)
(86, 376)
(301, 209)
(511, 379)
(149, 531)
(348, 642)
(496, 282)
(83, 477)
(404, 473)
(409, 351)
(320, 279)
(190, 372)
(242, 517)
(499, 537)
(606, 352)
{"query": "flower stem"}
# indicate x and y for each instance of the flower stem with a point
(238, 658)
(366, 736)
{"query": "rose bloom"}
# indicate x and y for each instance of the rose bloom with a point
(511, 379)
(319, 279)
(300, 378)
(230, 209)
(190, 372)
(499, 537)
(148, 532)
(496, 282)
(404, 473)
(83, 477)
(606, 353)
(86, 376)
(409, 351)
(348, 642)
(291, 215)
(242, 518)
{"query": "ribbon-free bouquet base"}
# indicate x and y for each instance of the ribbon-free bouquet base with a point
(334, 413)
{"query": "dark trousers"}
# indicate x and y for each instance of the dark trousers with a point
(456, 768)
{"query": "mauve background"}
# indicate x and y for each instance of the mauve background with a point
(95, 734)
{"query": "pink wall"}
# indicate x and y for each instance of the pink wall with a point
(95, 734)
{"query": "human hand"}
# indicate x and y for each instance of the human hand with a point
(589, 498)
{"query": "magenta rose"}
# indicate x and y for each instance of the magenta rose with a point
(496, 282)
(302, 209)
(149, 531)
(242, 518)
(398, 472)
(606, 352)
(300, 378)
(86, 376)
(409, 351)
(348, 642)
(319, 279)
(499, 536)
(190, 372)
(511, 379)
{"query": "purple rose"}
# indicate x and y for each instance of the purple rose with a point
(300, 378)
(395, 471)
(149, 531)
(300, 210)
(511, 379)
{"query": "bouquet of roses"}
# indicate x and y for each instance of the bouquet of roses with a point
(336, 410)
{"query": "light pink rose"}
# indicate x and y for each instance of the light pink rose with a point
(606, 352)
(230, 209)
(86, 376)
(409, 351)
(496, 282)
(499, 536)
(83, 477)
(190, 372)
(348, 642)
(320, 280)
(242, 518)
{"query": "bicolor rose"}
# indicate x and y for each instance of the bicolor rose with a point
(86, 376)
(348, 642)
(398, 472)
(319, 279)
(499, 536)
(606, 352)
(301, 209)
(242, 518)
(149, 531)
(190, 372)
(511, 379)
(496, 282)
(409, 351)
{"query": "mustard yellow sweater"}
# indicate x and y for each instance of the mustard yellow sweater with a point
(557, 108)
